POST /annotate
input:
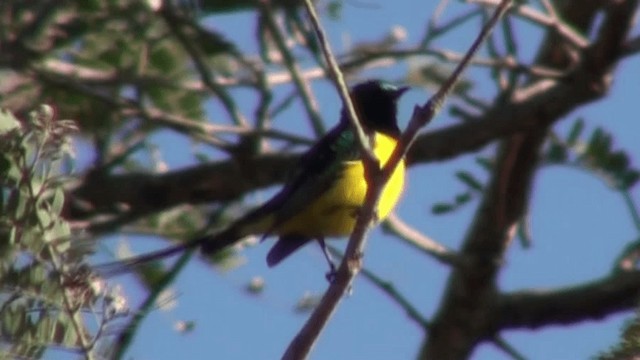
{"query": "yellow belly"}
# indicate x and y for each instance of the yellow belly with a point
(335, 212)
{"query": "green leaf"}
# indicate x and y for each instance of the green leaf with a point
(334, 9)
(557, 153)
(469, 180)
(60, 234)
(58, 201)
(12, 235)
(463, 198)
(190, 105)
(599, 145)
(28, 147)
(43, 329)
(8, 122)
(442, 208)
(165, 59)
(44, 218)
(485, 163)
(37, 274)
(629, 179)
(22, 201)
(575, 132)
(70, 336)
(16, 321)
(617, 162)
(5, 167)
(213, 43)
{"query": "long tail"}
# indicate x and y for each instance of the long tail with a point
(209, 244)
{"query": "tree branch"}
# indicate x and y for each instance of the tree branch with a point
(129, 197)
(595, 300)
(472, 291)
(351, 264)
(394, 225)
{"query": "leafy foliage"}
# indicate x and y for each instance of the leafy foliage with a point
(474, 189)
(43, 287)
(595, 153)
(629, 345)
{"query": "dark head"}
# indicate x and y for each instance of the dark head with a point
(376, 104)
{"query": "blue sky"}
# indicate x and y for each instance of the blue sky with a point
(578, 228)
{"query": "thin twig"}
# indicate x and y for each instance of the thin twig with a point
(507, 348)
(303, 342)
(507, 63)
(131, 108)
(434, 31)
(394, 225)
(303, 87)
(633, 209)
(336, 75)
(202, 68)
(549, 20)
(390, 290)
(71, 309)
(126, 336)
(70, 303)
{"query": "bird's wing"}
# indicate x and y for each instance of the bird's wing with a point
(314, 174)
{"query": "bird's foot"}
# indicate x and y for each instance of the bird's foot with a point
(331, 274)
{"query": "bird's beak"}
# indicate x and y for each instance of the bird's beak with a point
(400, 91)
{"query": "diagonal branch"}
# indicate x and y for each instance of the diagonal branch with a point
(351, 264)
(303, 87)
(394, 225)
(199, 61)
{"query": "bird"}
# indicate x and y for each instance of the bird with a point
(323, 195)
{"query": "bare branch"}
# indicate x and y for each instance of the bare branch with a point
(632, 46)
(390, 290)
(595, 300)
(549, 20)
(394, 225)
(352, 262)
(303, 87)
(169, 15)
(305, 339)
(493, 228)
(131, 196)
(507, 348)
